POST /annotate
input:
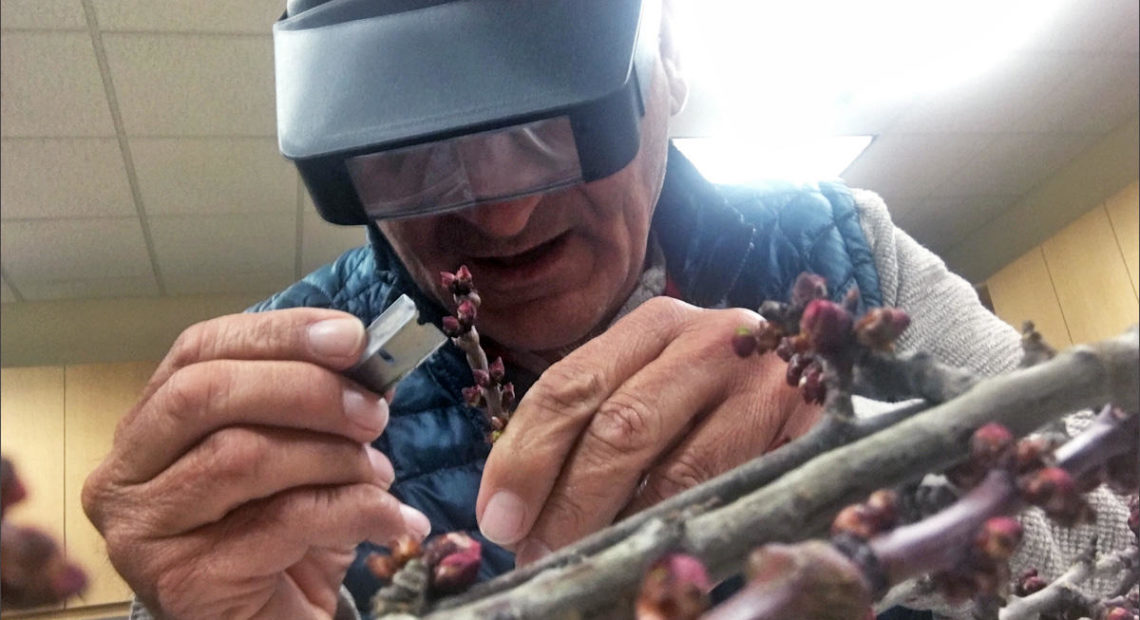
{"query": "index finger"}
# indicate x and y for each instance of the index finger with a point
(328, 338)
(525, 464)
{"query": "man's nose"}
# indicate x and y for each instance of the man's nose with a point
(502, 219)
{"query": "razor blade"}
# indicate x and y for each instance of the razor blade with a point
(397, 343)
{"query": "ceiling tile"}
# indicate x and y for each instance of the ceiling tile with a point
(1005, 98)
(899, 165)
(223, 244)
(247, 16)
(1013, 164)
(56, 250)
(63, 177)
(6, 294)
(322, 242)
(51, 86)
(178, 85)
(188, 176)
(43, 14)
(1098, 97)
(228, 283)
(102, 288)
(940, 222)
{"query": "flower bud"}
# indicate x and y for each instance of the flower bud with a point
(458, 283)
(1054, 490)
(807, 288)
(454, 559)
(743, 342)
(854, 521)
(473, 396)
(796, 368)
(768, 337)
(827, 325)
(381, 565)
(497, 370)
(452, 328)
(675, 588)
(404, 548)
(446, 544)
(992, 445)
(482, 377)
(507, 395)
(455, 573)
(497, 424)
(883, 505)
(812, 387)
(1118, 613)
(998, 538)
(466, 312)
(851, 300)
(774, 311)
(880, 327)
(1033, 453)
(1028, 583)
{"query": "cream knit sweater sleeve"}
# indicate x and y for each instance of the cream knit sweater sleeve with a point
(948, 321)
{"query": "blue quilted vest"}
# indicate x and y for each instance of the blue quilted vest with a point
(724, 246)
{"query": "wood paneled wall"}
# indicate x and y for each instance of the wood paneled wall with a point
(1081, 284)
(57, 425)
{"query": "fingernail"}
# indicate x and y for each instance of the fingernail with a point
(502, 521)
(415, 521)
(336, 337)
(365, 408)
(382, 466)
(530, 551)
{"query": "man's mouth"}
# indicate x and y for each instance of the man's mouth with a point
(533, 270)
(523, 257)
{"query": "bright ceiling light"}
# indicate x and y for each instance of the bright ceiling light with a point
(793, 66)
(736, 161)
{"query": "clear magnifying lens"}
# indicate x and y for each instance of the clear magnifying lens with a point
(490, 166)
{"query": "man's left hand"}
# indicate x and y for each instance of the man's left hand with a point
(657, 404)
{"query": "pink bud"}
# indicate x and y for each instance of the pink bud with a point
(508, 394)
(1118, 613)
(473, 396)
(466, 312)
(812, 387)
(454, 559)
(827, 325)
(452, 328)
(497, 370)
(1055, 491)
(880, 327)
(791, 345)
(675, 587)
(998, 538)
(1028, 583)
(743, 342)
(497, 424)
(808, 287)
(482, 377)
(458, 283)
(455, 573)
(992, 445)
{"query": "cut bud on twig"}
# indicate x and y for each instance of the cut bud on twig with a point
(675, 588)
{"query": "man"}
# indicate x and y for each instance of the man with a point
(242, 482)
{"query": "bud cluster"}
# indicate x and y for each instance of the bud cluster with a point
(985, 568)
(811, 326)
(446, 564)
(491, 391)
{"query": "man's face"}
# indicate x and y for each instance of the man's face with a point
(553, 267)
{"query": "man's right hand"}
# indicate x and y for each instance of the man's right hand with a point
(242, 481)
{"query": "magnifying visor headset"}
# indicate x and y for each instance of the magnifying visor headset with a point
(398, 108)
